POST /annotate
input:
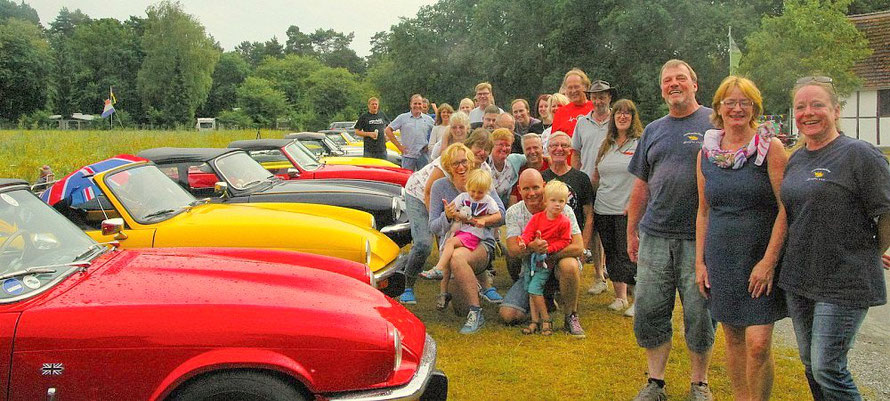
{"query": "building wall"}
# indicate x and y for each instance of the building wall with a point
(859, 118)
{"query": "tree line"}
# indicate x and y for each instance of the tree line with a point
(166, 69)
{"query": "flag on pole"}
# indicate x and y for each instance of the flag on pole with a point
(109, 104)
(735, 55)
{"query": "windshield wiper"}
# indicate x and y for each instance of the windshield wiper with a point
(159, 213)
(92, 247)
(35, 270)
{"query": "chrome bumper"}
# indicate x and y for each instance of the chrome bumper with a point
(395, 228)
(386, 271)
(412, 390)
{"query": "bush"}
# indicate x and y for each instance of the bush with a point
(234, 119)
(36, 120)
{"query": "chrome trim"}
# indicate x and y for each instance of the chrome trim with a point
(393, 228)
(386, 271)
(409, 391)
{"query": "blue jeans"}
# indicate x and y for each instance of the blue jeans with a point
(665, 267)
(421, 239)
(825, 333)
(414, 164)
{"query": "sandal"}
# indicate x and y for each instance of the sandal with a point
(547, 327)
(442, 300)
(532, 328)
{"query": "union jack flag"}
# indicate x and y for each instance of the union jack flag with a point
(52, 369)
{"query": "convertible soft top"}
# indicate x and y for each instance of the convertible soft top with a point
(175, 155)
(260, 144)
(8, 182)
(305, 135)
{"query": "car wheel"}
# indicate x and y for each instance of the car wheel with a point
(242, 386)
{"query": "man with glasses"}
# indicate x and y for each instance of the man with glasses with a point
(590, 131)
(664, 204)
(484, 98)
(580, 201)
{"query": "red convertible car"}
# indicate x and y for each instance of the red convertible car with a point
(86, 321)
(289, 159)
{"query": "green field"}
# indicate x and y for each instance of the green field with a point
(499, 363)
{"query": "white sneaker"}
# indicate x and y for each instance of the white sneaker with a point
(630, 311)
(618, 304)
(597, 288)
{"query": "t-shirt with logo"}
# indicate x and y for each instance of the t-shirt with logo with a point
(580, 190)
(665, 159)
(615, 182)
(373, 122)
(832, 196)
(566, 116)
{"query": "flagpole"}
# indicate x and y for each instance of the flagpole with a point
(112, 114)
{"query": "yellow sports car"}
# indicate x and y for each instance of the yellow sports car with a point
(345, 139)
(330, 153)
(139, 206)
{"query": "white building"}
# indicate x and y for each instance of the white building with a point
(866, 114)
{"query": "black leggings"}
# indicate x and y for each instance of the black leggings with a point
(613, 234)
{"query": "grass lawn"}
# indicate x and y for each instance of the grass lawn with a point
(500, 363)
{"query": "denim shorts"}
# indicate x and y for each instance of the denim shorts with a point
(536, 277)
(667, 266)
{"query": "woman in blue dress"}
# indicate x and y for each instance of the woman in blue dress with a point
(740, 229)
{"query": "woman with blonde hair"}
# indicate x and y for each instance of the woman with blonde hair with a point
(457, 131)
(740, 230)
(555, 101)
(836, 190)
(466, 105)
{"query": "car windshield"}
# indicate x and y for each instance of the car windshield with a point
(315, 146)
(147, 194)
(36, 243)
(241, 171)
(335, 149)
(337, 138)
(304, 157)
(342, 125)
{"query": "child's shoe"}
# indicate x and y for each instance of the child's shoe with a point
(442, 300)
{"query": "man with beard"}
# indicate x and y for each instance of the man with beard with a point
(590, 131)
(664, 203)
(371, 125)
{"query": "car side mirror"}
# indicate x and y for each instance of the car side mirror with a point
(221, 189)
(114, 227)
(293, 173)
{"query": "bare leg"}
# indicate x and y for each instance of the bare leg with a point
(444, 262)
(465, 265)
(735, 361)
(700, 363)
(620, 290)
(760, 361)
(599, 258)
(656, 359)
(569, 274)
(537, 302)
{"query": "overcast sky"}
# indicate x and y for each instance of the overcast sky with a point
(232, 21)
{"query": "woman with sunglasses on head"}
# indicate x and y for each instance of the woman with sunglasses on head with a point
(837, 194)
(740, 228)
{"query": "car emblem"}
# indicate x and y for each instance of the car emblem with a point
(52, 369)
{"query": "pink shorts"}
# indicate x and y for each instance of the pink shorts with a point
(469, 240)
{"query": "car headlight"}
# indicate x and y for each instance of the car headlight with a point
(397, 347)
(396, 210)
(367, 252)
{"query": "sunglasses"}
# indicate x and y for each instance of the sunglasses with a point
(815, 78)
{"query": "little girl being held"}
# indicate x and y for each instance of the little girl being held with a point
(555, 228)
(476, 210)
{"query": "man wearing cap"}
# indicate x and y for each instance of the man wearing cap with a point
(590, 131)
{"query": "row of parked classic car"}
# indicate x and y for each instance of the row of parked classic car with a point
(253, 272)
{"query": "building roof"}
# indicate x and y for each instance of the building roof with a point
(874, 70)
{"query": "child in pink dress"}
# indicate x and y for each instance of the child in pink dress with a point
(476, 210)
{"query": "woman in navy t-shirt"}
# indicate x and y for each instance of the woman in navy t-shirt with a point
(836, 193)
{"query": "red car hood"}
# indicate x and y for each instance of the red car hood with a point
(150, 298)
(388, 174)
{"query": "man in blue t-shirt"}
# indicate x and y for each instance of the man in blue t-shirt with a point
(415, 128)
(664, 203)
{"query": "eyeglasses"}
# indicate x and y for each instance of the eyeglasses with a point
(732, 103)
(623, 113)
(815, 78)
(460, 163)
